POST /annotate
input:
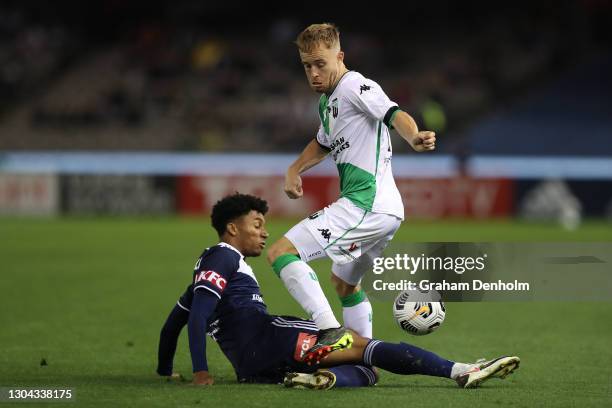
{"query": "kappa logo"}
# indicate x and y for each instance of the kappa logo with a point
(212, 277)
(335, 108)
(324, 233)
(363, 88)
(304, 343)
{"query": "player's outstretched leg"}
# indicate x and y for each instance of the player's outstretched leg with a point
(404, 358)
(407, 359)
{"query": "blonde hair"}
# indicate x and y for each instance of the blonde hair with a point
(316, 34)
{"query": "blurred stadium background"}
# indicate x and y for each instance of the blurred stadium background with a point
(117, 107)
(117, 116)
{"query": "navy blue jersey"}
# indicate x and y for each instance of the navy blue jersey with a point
(221, 270)
(236, 319)
(224, 299)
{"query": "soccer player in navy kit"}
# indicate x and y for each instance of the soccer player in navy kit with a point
(224, 300)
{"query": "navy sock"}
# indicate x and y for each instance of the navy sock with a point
(404, 358)
(353, 376)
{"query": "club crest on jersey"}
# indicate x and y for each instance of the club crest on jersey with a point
(212, 277)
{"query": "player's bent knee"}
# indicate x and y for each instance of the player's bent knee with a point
(343, 288)
(275, 250)
(272, 253)
(281, 247)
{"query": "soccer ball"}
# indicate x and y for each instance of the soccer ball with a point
(419, 312)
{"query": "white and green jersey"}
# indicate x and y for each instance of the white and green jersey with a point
(355, 129)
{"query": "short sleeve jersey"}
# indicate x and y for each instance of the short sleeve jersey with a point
(354, 119)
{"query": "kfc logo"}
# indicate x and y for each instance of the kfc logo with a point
(212, 277)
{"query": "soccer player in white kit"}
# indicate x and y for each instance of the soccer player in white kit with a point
(356, 116)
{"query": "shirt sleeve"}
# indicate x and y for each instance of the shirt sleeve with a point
(168, 338)
(202, 307)
(322, 139)
(368, 97)
(214, 270)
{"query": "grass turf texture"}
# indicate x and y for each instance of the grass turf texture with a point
(90, 295)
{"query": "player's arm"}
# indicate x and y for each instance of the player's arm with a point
(168, 338)
(407, 128)
(211, 277)
(372, 100)
(202, 307)
(313, 154)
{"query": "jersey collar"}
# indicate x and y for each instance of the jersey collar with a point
(225, 244)
(338, 84)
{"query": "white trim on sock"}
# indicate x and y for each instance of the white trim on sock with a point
(460, 368)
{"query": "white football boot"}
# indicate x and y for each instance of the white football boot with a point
(484, 370)
(319, 380)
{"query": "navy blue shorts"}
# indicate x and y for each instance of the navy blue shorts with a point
(278, 349)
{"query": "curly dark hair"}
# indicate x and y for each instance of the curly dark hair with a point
(233, 206)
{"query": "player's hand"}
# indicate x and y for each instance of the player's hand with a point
(202, 378)
(293, 185)
(424, 141)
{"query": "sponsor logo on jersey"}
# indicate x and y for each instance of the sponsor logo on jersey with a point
(304, 342)
(338, 145)
(337, 142)
(315, 215)
(212, 277)
(347, 253)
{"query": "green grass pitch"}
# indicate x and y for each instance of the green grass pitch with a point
(89, 296)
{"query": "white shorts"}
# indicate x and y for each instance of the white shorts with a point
(350, 236)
